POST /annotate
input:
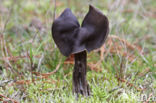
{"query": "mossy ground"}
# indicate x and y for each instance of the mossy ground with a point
(122, 75)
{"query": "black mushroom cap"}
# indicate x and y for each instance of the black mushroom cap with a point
(71, 38)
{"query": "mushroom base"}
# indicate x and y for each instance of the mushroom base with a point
(80, 85)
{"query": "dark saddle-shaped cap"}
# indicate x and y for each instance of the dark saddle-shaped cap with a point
(71, 38)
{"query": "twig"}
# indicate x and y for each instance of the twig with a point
(40, 61)
(130, 84)
(7, 20)
(115, 47)
(15, 58)
(54, 12)
(5, 53)
(102, 49)
(147, 101)
(94, 66)
(12, 100)
(131, 46)
(23, 82)
(48, 74)
(144, 72)
(31, 65)
(114, 89)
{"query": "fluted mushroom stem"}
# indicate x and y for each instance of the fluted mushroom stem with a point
(80, 85)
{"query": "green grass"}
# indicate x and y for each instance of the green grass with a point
(25, 37)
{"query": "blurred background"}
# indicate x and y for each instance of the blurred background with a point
(33, 70)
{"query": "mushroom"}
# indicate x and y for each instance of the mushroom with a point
(70, 38)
